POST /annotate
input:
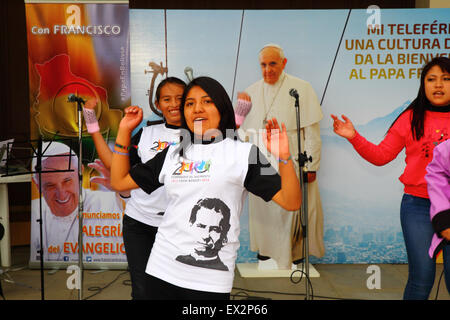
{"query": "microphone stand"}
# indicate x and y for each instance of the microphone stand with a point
(73, 98)
(41, 249)
(80, 198)
(303, 177)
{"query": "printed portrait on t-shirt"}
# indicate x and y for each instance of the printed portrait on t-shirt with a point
(209, 223)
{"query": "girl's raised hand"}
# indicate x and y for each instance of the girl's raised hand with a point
(343, 128)
(91, 103)
(276, 140)
(133, 117)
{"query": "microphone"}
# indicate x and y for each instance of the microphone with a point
(74, 98)
(189, 72)
(293, 93)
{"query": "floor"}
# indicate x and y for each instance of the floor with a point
(336, 282)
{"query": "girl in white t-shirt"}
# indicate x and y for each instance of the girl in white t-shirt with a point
(207, 179)
(143, 213)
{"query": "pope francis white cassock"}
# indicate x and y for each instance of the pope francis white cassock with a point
(274, 232)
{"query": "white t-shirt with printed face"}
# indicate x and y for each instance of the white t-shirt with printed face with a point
(197, 242)
(149, 209)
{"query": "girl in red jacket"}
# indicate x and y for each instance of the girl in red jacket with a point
(422, 126)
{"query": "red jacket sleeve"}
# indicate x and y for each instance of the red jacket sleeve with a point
(388, 149)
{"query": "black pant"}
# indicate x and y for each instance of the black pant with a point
(138, 239)
(162, 290)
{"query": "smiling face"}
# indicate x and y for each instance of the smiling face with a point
(169, 103)
(200, 112)
(60, 189)
(437, 86)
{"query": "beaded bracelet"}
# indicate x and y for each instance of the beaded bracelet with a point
(122, 153)
(121, 146)
(285, 161)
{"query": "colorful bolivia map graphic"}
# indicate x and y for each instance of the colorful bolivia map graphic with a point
(54, 115)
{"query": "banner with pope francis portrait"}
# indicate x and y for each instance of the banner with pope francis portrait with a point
(364, 64)
(76, 52)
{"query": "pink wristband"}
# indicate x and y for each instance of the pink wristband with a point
(239, 119)
(91, 120)
(243, 107)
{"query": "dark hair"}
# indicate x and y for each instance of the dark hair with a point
(218, 206)
(220, 98)
(420, 103)
(172, 80)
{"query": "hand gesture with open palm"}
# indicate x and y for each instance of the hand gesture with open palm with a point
(276, 140)
(343, 128)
